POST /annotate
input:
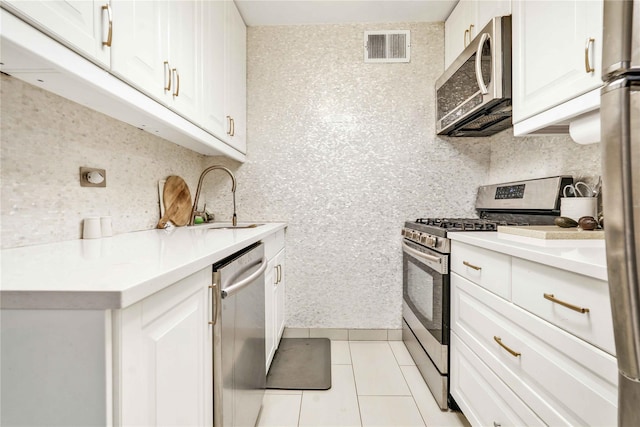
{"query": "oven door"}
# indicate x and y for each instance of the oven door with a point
(426, 300)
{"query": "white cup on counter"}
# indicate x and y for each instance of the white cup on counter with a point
(577, 207)
(105, 226)
(91, 228)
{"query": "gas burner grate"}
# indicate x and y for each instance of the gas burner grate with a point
(465, 224)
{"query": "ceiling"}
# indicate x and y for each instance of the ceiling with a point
(299, 12)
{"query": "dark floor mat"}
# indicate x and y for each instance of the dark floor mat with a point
(301, 364)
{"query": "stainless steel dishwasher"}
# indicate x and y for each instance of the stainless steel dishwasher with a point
(239, 376)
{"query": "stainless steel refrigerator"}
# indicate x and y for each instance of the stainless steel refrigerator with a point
(620, 141)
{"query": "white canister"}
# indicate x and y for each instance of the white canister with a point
(577, 207)
(105, 226)
(91, 228)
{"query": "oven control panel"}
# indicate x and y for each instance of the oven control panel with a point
(539, 195)
(426, 239)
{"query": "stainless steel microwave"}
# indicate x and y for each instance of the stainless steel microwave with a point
(473, 96)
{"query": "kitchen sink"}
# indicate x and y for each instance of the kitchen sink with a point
(225, 226)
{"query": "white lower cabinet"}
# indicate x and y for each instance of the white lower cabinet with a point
(483, 397)
(274, 294)
(164, 343)
(148, 364)
(542, 361)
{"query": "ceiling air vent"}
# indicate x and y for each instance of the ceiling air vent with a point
(387, 46)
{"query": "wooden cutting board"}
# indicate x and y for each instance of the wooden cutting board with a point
(176, 198)
(551, 232)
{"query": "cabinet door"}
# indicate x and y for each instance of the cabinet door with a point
(139, 49)
(213, 117)
(551, 43)
(270, 277)
(486, 10)
(165, 357)
(456, 30)
(184, 56)
(236, 77)
(83, 25)
(279, 297)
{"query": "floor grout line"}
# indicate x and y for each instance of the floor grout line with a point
(353, 373)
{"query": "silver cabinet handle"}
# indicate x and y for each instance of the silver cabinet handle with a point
(167, 76)
(229, 125)
(233, 127)
(479, 79)
(553, 299)
(107, 7)
(587, 60)
(238, 286)
(466, 33)
(279, 273)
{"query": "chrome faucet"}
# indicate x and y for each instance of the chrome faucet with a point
(234, 219)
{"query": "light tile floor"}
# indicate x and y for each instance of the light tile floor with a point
(374, 383)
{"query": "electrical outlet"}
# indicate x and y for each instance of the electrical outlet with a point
(93, 177)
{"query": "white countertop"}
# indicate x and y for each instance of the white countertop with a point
(587, 257)
(117, 271)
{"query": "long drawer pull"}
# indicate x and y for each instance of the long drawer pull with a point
(468, 264)
(551, 298)
(512, 352)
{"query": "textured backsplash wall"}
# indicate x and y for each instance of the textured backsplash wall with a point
(45, 139)
(345, 152)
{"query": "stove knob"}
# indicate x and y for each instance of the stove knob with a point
(424, 239)
(433, 241)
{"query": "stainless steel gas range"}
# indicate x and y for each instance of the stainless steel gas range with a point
(426, 249)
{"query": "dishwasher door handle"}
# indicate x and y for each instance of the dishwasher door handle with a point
(239, 285)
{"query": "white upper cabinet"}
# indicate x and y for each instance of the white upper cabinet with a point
(184, 58)
(180, 65)
(156, 48)
(85, 25)
(140, 46)
(236, 78)
(212, 54)
(466, 20)
(557, 49)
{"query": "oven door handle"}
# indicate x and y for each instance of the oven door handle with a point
(419, 254)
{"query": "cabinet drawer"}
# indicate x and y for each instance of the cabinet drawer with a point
(482, 396)
(273, 244)
(563, 379)
(532, 281)
(489, 269)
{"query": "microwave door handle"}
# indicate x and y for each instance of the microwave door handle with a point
(479, 79)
